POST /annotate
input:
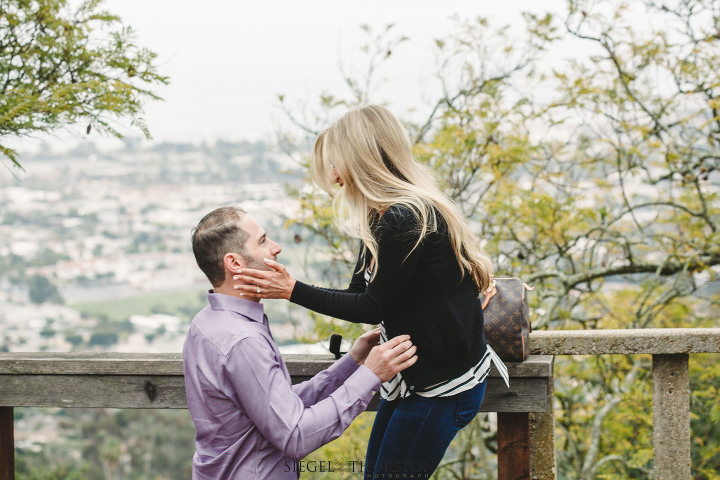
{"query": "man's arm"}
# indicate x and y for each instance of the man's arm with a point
(266, 397)
(326, 382)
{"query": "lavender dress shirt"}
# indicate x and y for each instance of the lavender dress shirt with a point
(250, 421)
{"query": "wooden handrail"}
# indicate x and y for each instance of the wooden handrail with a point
(131, 380)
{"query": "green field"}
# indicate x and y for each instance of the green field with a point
(174, 302)
(182, 303)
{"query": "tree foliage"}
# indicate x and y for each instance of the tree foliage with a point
(41, 290)
(110, 444)
(62, 63)
(592, 175)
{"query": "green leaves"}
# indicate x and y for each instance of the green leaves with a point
(59, 66)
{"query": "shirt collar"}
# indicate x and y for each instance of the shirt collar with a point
(251, 310)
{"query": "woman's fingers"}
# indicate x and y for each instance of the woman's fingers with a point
(275, 283)
(277, 266)
(262, 282)
(252, 274)
(250, 291)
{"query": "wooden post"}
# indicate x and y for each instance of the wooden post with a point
(513, 446)
(7, 444)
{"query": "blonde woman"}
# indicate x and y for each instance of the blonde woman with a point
(419, 272)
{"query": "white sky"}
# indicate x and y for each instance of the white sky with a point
(228, 60)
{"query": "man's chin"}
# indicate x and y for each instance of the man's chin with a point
(259, 266)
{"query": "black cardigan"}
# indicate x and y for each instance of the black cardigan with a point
(422, 295)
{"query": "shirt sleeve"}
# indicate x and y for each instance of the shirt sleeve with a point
(326, 382)
(397, 235)
(265, 395)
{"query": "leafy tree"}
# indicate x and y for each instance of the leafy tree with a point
(74, 339)
(105, 443)
(62, 62)
(344, 457)
(41, 290)
(103, 338)
(594, 178)
(63, 472)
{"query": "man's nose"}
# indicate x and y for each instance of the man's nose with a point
(276, 249)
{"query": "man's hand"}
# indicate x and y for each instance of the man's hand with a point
(391, 357)
(362, 346)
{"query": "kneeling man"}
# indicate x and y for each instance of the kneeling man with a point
(250, 421)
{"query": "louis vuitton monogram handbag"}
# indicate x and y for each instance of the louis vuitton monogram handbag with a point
(507, 319)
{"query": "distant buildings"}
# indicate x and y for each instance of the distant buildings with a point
(116, 224)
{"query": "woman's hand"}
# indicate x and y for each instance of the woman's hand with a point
(273, 283)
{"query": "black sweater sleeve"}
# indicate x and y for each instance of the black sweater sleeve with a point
(397, 233)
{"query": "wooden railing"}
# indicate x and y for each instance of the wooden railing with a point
(156, 381)
(117, 380)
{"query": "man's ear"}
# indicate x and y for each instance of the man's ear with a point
(233, 262)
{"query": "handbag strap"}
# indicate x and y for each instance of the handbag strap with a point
(489, 292)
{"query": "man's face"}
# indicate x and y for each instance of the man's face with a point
(258, 245)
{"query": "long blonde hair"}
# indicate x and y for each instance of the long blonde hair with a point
(371, 152)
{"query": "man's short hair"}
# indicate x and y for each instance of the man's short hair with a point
(219, 233)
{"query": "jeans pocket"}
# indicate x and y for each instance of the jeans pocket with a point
(468, 404)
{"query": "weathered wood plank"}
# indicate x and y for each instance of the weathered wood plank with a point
(136, 391)
(93, 391)
(534, 366)
(47, 363)
(306, 366)
(120, 380)
(91, 363)
(524, 395)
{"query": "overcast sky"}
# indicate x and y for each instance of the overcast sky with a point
(228, 60)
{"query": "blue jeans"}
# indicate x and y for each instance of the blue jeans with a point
(410, 435)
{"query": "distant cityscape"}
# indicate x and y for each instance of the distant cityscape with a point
(95, 245)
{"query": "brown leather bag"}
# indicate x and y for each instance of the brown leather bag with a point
(507, 319)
